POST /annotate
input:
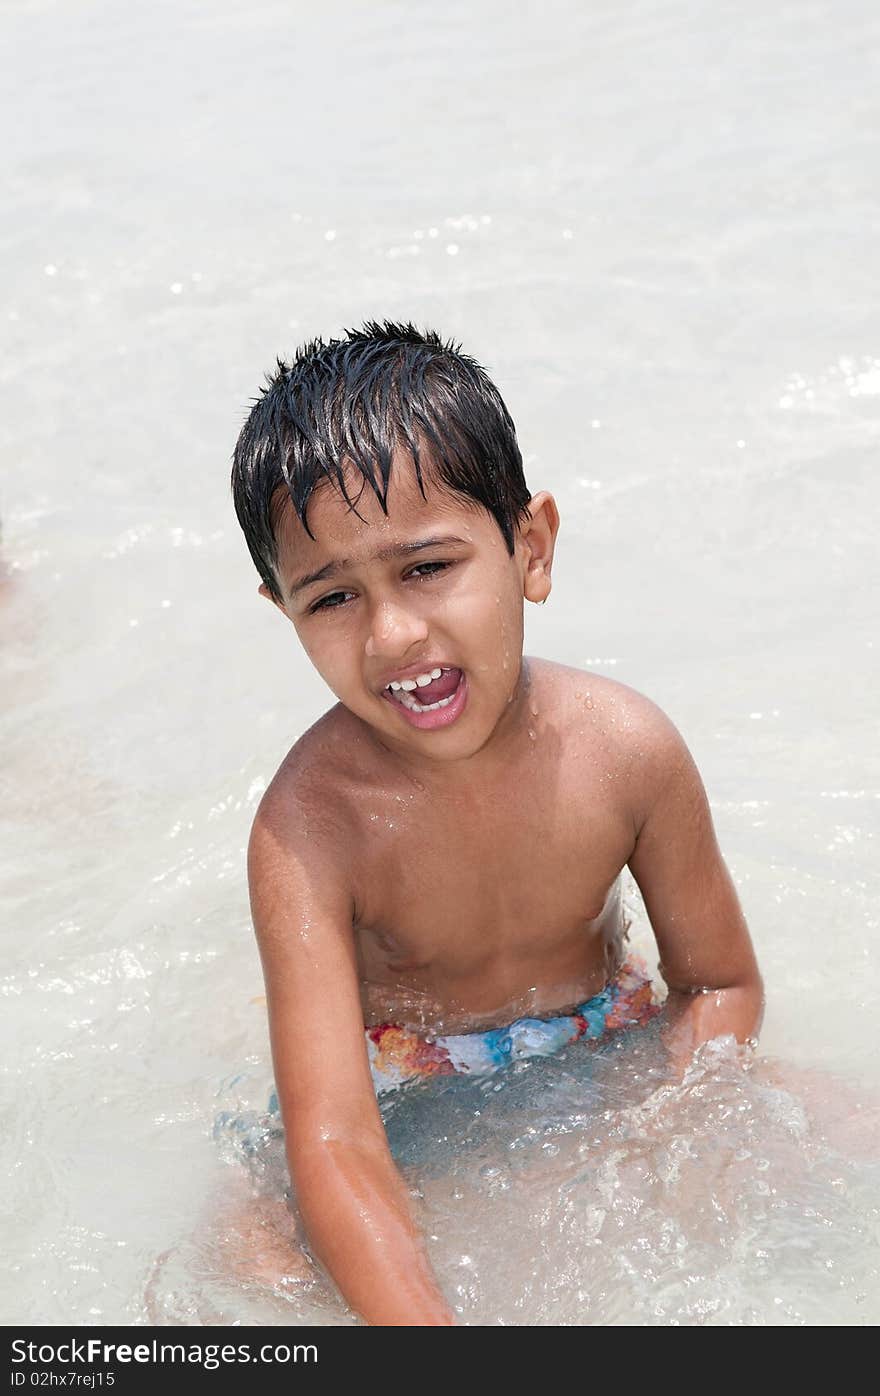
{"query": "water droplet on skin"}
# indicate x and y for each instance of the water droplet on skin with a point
(589, 702)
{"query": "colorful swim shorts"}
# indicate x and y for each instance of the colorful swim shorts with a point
(398, 1056)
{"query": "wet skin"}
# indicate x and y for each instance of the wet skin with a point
(458, 875)
(477, 907)
(483, 857)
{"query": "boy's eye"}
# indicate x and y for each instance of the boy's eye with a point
(413, 570)
(329, 603)
(338, 598)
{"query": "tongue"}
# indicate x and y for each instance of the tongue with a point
(443, 687)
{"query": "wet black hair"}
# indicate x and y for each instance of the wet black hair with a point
(352, 402)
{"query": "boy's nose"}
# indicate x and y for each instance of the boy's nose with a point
(394, 629)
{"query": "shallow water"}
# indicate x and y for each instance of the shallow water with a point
(657, 228)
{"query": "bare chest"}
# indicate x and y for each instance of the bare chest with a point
(474, 912)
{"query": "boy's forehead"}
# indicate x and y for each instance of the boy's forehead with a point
(340, 533)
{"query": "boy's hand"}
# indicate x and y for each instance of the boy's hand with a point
(706, 955)
(353, 1201)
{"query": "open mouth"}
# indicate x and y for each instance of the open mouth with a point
(427, 697)
(436, 701)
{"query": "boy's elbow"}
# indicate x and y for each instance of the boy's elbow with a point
(698, 1014)
(749, 988)
(319, 1157)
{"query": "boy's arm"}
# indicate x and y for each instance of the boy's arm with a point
(353, 1201)
(706, 955)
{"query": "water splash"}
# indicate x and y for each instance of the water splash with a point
(587, 1188)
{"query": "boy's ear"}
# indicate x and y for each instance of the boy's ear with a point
(264, 591)
(538, 534)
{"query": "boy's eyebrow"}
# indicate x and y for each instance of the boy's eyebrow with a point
(383, 555)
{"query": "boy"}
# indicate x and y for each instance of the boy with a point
(440, 855)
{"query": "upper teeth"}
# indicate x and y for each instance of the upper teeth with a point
(419, 681)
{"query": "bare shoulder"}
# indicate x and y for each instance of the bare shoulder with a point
(635, 737)
(310, 793)
(304, 830)
(615, 710)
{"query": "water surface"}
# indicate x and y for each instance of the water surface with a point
(657, 227)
